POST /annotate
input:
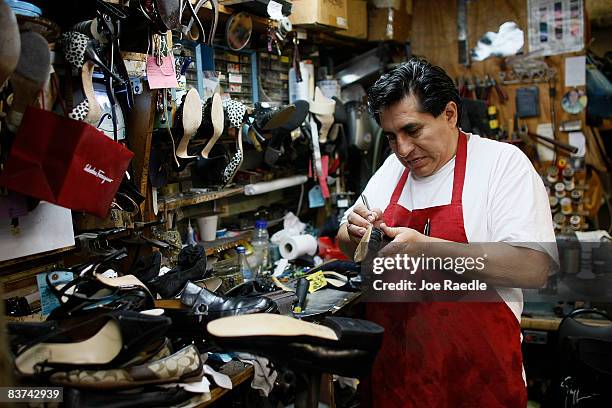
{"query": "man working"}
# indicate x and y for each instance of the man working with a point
(466, 189)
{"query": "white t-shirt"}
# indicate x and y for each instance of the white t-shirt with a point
(504, 199)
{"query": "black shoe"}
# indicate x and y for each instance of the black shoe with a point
(191, 267)
(147, 267)
(213, 306)
(338, 345)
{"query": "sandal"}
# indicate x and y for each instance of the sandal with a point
(234, 165)
(213, 115)
(90, 291)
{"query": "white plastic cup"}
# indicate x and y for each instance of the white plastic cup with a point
(208, 227)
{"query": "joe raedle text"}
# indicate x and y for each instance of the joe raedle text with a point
(401, 265)
(446, 285)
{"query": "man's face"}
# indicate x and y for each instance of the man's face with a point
(419, 140)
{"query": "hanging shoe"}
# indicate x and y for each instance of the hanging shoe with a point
(79, 48)
(123, 335)
(30, 75)
(190, 119)
(9, 50)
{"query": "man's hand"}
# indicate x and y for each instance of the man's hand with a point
(403, 234)
(359, 219)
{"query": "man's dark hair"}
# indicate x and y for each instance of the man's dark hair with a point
(430, 85)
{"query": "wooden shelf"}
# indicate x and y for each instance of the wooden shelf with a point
(238, 372)
(186, 199)
(221, 244)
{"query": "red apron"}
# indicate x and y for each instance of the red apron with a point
(445, 354)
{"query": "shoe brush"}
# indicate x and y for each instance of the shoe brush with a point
(10, 44)
(32, 71)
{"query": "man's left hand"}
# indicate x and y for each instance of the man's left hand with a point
(403, 234)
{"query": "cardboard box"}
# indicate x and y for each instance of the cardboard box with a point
(380, 30)
(325, 14)
(357, 20)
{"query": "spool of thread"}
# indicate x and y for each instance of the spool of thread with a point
(298, 245)
(566, 205)
(575, 221)
(559, 190)
(561, 164)
(559, 219)
(554, 204)
(576, 196)
(552, 174)
(568, 173)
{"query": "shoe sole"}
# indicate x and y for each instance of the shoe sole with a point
(217, 118)
(267, 325)
(192, 119)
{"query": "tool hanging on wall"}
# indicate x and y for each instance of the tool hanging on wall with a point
(462, 33)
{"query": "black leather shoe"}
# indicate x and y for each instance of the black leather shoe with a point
(338, 345)
(205, 303)
(191, 267)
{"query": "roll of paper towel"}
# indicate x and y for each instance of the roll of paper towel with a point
(278, 184)
(298, 245)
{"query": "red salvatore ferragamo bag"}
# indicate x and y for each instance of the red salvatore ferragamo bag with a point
(65, 162)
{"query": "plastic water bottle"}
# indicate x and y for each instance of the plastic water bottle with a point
(261, 245)
(245, 268)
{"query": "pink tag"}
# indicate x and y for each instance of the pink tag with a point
(323, 178)
(161, 76)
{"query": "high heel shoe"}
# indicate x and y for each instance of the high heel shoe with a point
(122, 335)
(234, 165)
(213, 117)
(79, 48)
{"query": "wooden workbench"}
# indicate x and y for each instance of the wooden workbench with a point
(552, 323)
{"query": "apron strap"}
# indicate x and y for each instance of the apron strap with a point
(459, 175)
(399, 187)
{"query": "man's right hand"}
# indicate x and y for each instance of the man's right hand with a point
(359, 219)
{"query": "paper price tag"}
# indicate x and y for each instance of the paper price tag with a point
(48, 301)
(317, 281)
